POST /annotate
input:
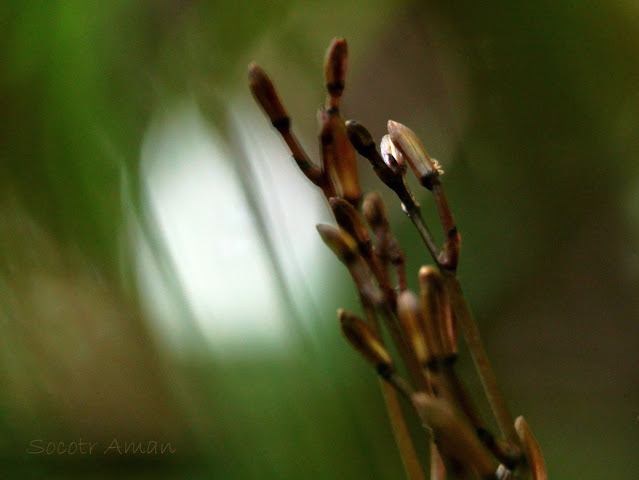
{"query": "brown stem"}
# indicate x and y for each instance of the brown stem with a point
(449, 255)
(416, 217)
(410, 460)
(488, 379)
(412, 466)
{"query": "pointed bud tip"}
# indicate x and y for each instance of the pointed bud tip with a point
(338, 47)
(324, 229)
(256, 74)
(339, 241)
(374, 210)
(340, 204)
(393, 126)
(337, 51)
(427, 270)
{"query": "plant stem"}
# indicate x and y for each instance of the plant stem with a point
(412, 466)
(437, 467)
(478, 353)
(416, 217)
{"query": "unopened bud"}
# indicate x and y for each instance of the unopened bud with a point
(341, 243)
(375, 212)
(410, 321)
(351, 221)
(392, 156)
(414, 153)
(363, 339)
(345, 248)
(360, 137)
(266, 96)
(335, 64)
(432, 302)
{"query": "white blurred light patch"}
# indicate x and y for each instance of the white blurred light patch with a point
(211, 235)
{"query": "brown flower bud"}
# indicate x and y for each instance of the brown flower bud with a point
(341, 243)
(335, 64)
(436, 300)
(410, 320)
(351, 221)
(363, 339)
(433, 300)
(393, 156)
(375, 212)
(266, 96)
(345, 248)
(414, 153)
(360, 137)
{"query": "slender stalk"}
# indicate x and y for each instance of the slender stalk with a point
(410, 460)
(531, 448)
(416, 217)
(412, 465)
(437, 467)
(478, 353)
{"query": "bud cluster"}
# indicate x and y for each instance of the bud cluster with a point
(423, 326)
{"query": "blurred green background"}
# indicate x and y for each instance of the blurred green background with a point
(161, 280)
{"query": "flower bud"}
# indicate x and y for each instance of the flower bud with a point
(432, 302)
(393, 156)
(411, 323)
(341, 243)
(345, 248)
(265, 94)
(351, 221)
(335, 64)
(363, 339)
(360, 137)
(375, 212)
(414, 153)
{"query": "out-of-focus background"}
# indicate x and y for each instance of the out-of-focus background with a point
(160, 275)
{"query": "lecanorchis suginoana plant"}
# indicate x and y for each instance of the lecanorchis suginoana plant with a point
(422, 326)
